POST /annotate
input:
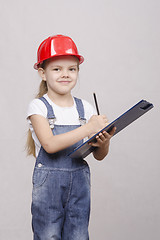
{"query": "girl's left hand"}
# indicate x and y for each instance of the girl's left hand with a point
(102, 144)
(103, 139)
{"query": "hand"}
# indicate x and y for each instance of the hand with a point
(102, 144)
(103, 138)
(97, 123)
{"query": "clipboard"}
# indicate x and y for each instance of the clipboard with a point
(120, 123)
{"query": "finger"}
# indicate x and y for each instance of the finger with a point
(104, 117)
(107, 135)
(97, 143)
(112, 132)
(101, 137)
(94, 144)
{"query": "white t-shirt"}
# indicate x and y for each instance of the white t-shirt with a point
(64, 115)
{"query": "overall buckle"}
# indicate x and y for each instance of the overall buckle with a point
(51, 122)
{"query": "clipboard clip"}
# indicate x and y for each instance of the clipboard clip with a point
(146, 106)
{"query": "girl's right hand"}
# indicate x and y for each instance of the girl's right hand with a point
(97, 123)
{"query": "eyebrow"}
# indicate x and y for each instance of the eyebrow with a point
(61, 66)
(74, 65)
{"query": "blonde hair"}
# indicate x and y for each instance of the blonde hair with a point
(30, 146)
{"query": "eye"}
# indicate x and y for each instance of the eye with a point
(72, 69)
(56, 69)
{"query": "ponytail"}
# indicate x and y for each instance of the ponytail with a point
(30, 146)
(43, 89)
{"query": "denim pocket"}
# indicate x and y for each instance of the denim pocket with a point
(39, 177)
(86, 172)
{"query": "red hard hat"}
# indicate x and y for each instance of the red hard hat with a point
(58, 45)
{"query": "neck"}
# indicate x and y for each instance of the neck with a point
(61, 100)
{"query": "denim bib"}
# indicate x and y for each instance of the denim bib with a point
(61, 160)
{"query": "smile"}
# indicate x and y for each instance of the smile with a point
(64, 82)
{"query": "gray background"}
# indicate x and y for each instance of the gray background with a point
(120, 43)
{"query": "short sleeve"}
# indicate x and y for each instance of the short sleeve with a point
(36, 106)
(88, 109)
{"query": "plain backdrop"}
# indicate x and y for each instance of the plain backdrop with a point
(120, 41)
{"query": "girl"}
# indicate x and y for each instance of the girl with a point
(58, 124)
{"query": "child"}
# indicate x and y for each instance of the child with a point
(59, 123)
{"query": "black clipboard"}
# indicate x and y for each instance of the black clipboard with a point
(120, 123)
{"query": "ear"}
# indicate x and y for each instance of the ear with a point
(41, 72)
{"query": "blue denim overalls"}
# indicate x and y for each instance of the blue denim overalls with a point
(61, 189)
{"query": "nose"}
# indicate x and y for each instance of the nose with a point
(65, 73)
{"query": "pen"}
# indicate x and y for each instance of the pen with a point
(95, 99)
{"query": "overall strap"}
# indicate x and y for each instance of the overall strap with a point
(50, 113)
(80, 109)
(51, 116)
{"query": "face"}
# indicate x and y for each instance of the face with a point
(61, 74)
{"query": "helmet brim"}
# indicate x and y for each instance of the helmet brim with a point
(80, 58)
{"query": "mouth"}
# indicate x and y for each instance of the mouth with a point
(64, 82)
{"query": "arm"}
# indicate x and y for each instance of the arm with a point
(102, 144)
(56, 143)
